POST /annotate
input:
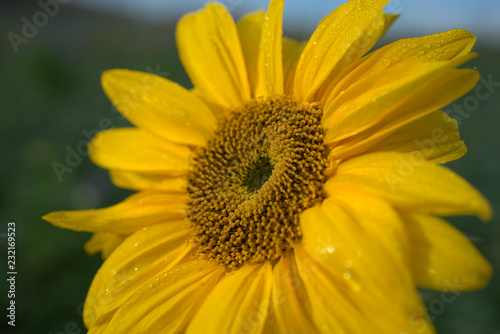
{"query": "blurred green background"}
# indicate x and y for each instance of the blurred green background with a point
(50, 97)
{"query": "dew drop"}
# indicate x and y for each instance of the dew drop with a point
(180, 112)
(347, 276)
(420, 52)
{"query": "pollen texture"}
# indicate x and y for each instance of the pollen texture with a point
(249, 184)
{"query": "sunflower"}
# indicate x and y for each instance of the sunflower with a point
(297, 188)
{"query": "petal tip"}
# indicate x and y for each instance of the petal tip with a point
(51, 217)
(47, 217)
(108, 75)
(486, 212)
(478, 278)
(484, 275)
(57, 218)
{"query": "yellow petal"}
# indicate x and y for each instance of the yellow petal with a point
(344, 317)
(139, 210)
(389, 19)
(408, 181)
(398, 75)
(103, 242)
(238, 304)
(291, 305)
(403, 53)
(442, 258)
(249, 31)
(168, 303)
(377, 218)
(291, 54)
(337, 310)
(144, 181)
(333, 236)
(98, 329)
(435, 136)
(366, 291)
(159, 106)
(270, 67)
(447, 45)
(397, 96)
(372, 33)
(210, 51)
(137, 150)
(141, 257)
(330, 42)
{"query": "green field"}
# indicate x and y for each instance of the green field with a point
(51, 100)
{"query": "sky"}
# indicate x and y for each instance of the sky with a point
(418, 17)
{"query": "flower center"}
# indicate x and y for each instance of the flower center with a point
(256, 176)
(249, 184)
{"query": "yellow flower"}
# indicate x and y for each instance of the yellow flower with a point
(296, 189)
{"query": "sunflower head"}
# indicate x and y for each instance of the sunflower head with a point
(298, 187)
(248, 185)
